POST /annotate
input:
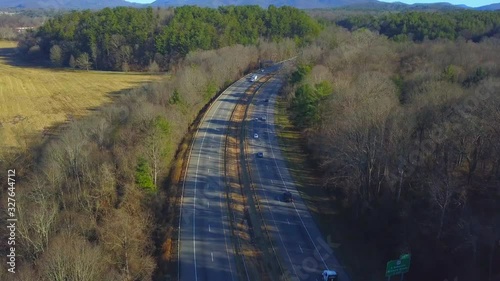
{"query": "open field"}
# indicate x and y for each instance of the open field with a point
(33, 98)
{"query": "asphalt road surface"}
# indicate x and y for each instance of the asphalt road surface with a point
(206, 251)
(304, 252)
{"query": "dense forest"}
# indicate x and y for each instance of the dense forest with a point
(418, 26)
(406, 136)
(127, 38)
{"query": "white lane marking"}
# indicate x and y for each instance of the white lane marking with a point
(208, 204)
(209, 228)
(225, 239)
(301, 249)
(272, 182)
(212, 254)
(267, 167)
(288, 221)
(222, 217)
(194, 197)
(300, 217)
(276, 226)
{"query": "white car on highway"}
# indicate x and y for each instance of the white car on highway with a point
(255, 136)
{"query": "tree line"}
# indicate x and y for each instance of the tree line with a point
(95, 203)
(8, 23)
(418, 26)
(128, 38)
(406, 138)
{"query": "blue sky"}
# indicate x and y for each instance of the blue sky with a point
(141, 1)
(471, 3)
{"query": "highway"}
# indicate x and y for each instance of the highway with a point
(206, 251)
(303, 250)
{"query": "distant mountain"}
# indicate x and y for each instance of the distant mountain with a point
(491, 7)
(64, 4)
(402, 7)
(302, 4)
(310, 4)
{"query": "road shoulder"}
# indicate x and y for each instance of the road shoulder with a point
(360, 259)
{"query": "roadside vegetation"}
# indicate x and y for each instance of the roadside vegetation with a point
(405, 136)
(361, 258)
(96, 201)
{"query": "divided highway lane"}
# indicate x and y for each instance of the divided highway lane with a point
(304, 252)
(206, 251)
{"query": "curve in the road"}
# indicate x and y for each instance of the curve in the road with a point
(203, 220)
(294, 228)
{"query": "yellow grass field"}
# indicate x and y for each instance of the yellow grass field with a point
(33, 98)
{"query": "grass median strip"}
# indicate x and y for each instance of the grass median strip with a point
(264, 243)
(246, 226)
(253, 242)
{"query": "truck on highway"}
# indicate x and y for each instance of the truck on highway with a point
(329, 275)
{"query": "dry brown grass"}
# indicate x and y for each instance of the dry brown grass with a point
(34, 98)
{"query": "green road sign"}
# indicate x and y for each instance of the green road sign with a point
(396, 267)
(405, 256)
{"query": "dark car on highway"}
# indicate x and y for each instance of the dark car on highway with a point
(287, 196)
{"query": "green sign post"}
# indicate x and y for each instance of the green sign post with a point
(400, 266)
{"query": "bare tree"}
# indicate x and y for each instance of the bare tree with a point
(72, 62)
(7, 33)
(37, 213)
(25, 272)
(153, 67)
(73, 151)
(83, 62)
(69, 257)
(157, 145)
(99, 196)
(56, 55)
(123, 237)
(444, 192)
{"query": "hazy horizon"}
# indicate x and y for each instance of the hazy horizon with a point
(470, 3)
